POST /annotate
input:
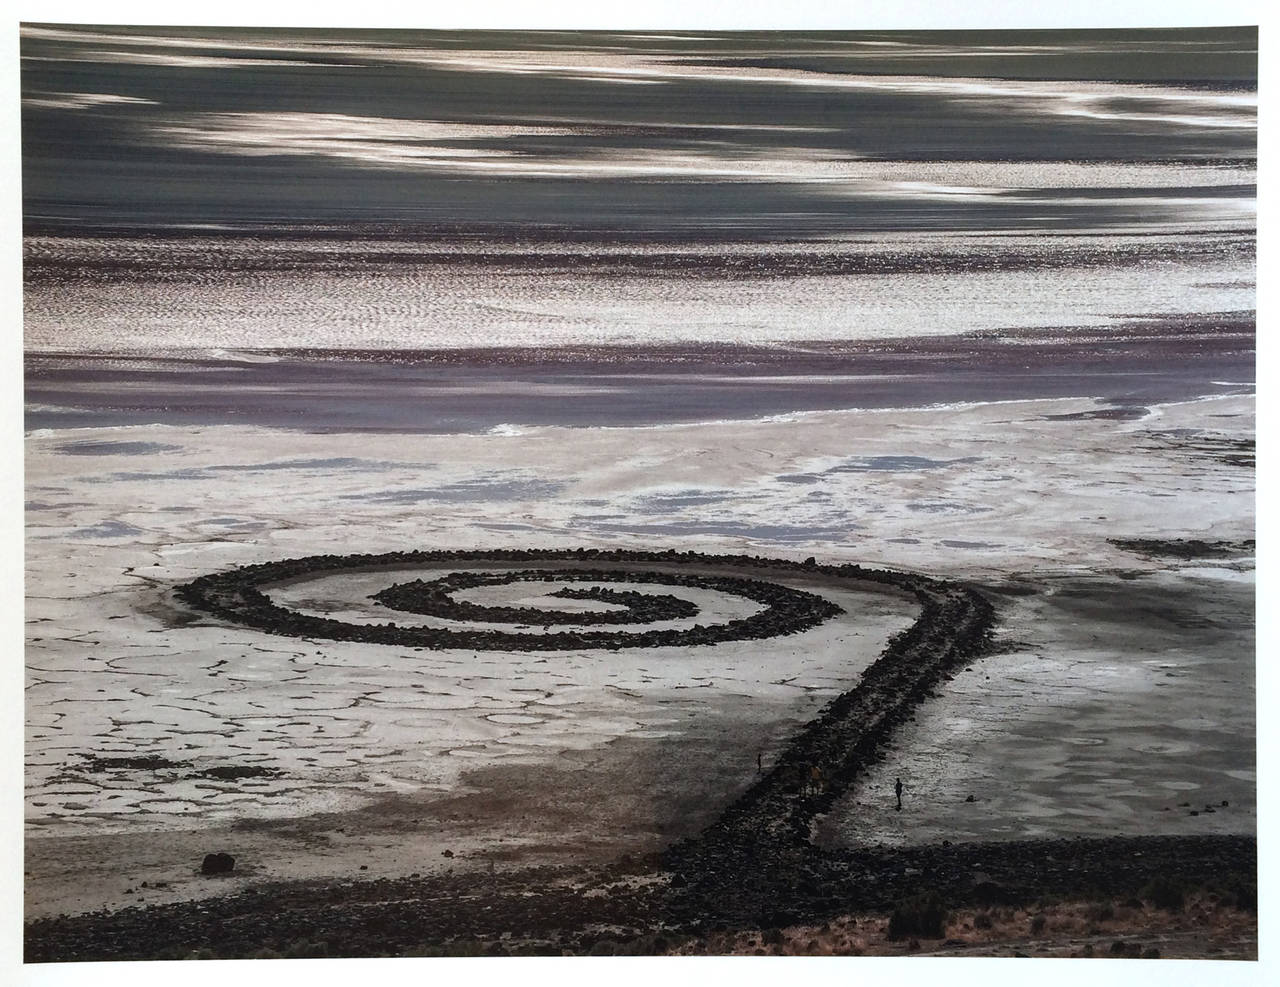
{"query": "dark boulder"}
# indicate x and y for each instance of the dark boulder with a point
(217, 863)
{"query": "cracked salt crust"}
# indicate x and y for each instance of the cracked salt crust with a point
(110, 673)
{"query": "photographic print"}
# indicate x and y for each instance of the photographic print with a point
(613, 493)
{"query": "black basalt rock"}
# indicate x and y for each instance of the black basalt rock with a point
(236, 596)
(217, 863)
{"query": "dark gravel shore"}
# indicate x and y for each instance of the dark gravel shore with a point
(635, 907)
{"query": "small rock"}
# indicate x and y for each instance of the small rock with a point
(446, 853)
(217, 863)
(971, 799)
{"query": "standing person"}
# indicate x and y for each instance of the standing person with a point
(897, 790)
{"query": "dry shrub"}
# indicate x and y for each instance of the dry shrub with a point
(1164, 893)
(922, 916)
(1100, 912)
(1242, 894)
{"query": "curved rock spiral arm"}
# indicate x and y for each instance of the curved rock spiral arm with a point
(242, 596)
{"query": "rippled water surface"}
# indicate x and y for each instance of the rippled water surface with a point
(248, 188)
(238, 293)
(774, 134)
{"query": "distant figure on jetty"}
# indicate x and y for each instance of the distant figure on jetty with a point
(760, 762)
(897, 790)
(817, 783)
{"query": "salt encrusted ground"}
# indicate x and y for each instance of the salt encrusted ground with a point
(532, 757)
(1123, 704)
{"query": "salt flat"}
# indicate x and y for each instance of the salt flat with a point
(371, 753)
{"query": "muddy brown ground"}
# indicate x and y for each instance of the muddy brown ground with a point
(574, 812)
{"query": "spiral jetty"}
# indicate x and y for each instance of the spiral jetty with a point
(754, 867)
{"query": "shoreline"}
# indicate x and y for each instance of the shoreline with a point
(470, 391)
(639, 907)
